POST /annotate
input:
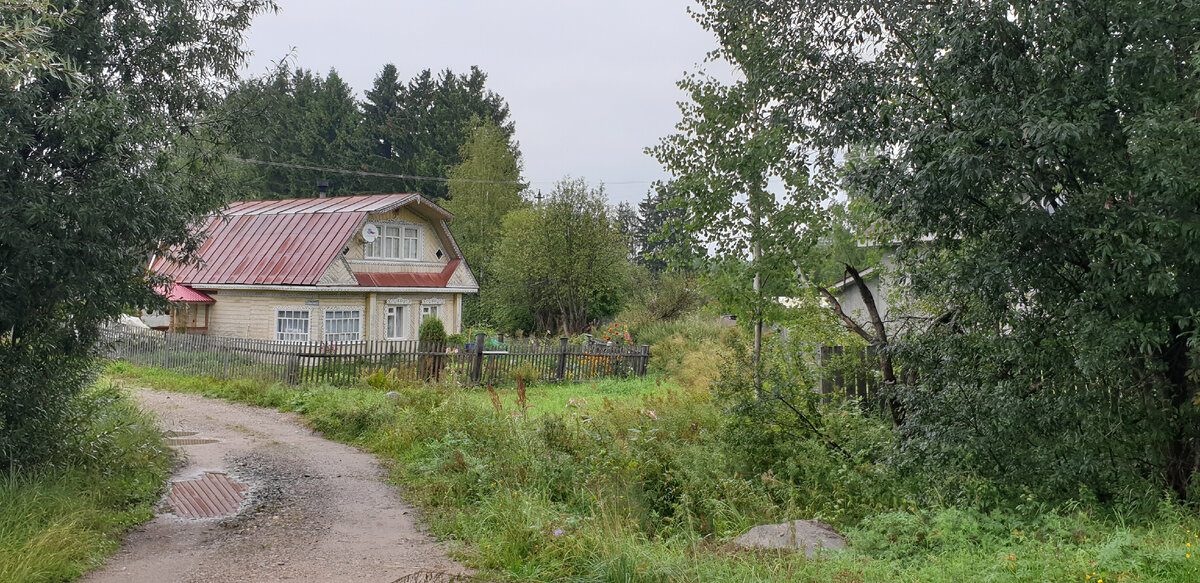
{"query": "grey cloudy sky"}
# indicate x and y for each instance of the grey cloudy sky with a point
(589, 84)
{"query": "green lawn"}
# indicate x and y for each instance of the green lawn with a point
(641, 484)
(551, 398)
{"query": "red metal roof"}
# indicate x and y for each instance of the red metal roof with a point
(266, 249)
(371, 203)
(409, 279)
(288, 242)
(183, 293)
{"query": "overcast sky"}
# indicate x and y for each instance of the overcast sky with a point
(589, 84)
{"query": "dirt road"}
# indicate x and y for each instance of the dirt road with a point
(314, 510)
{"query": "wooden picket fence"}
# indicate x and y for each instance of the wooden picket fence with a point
(348, 362)
(852, 372)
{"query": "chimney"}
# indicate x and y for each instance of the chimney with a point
(323, 188)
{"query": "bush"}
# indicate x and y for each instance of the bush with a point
(39, 404)
(663, 298)
(432, 330)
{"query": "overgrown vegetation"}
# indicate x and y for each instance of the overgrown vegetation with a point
(63, 518)
(107, 160)
(644, 480)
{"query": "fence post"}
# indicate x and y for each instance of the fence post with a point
(645, 360)
(166, 350)
(293, 367)
(561, 372)
(477, 360)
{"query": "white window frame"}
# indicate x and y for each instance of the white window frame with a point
(333, 331)
(401, 331)
(393, 242)
(415, 241)
(293, 315)
(428, 310)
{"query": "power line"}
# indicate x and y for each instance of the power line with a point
(404, 176)
(365, 173)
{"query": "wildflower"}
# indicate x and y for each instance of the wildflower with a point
(651, 414)
(558, 532)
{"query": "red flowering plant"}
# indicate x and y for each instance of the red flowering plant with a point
(615, 332)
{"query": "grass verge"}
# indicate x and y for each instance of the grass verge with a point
(643, 485)
(57, 522)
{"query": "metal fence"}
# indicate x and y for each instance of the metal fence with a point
(348, 362)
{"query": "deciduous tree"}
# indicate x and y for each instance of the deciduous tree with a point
(1040, 153)
(483, 189)
(99, 170)
(561, 264)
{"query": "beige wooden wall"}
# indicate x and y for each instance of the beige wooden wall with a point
(251, 314)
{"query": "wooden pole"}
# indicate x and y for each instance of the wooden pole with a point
(477, 361)
(561, 372)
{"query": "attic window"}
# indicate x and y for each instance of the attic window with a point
(439, 254)
(395, 242)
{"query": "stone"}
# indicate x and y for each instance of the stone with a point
(806, 535)
(393, 395)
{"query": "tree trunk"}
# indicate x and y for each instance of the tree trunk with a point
(1181, 452)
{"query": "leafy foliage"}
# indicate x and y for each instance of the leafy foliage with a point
(102, 169)
(560, 264)
(486, 189)
(1036, 166)
(56, 522)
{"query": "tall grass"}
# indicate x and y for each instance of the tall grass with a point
(58, 521)
(643, 486)
(689, 350)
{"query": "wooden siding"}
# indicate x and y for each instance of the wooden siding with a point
(251, 314)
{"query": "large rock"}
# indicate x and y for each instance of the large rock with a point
(806, 535)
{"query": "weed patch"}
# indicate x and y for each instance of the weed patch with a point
(644, 483)
(64, 518)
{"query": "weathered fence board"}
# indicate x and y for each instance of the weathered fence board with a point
(347, 362)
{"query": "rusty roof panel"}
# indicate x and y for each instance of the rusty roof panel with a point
(289, 242)
(371, 203)
(408, 279)
(268, 249)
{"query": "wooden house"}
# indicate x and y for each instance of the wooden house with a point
(321, 269)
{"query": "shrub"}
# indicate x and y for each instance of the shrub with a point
(432, 330)
(39, 402)
(665, 298)
(57, 521)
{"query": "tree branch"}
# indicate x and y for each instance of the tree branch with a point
(836, 306)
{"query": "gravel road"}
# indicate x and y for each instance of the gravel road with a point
(316, 510)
